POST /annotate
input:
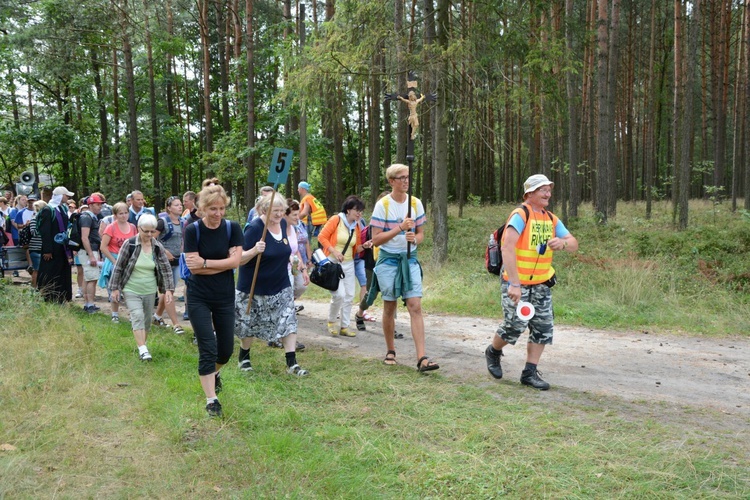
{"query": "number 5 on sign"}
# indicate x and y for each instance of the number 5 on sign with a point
(280, 165)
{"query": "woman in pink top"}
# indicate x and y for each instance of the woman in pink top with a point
(112, 240)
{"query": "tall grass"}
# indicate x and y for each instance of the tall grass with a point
(81, 417)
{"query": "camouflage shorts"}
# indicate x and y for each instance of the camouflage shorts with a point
(540, 326)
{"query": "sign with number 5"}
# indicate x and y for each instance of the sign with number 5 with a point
(280, 166)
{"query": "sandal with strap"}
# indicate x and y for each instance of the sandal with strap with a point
(390, 358)
(360, 323)
(178, 330)
(429, 366)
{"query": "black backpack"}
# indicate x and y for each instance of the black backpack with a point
(74, 231)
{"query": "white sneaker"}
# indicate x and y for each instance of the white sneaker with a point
(145, 356)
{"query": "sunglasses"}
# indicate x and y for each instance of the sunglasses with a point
(171, 199)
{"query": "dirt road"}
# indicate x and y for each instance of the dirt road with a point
(683, 372)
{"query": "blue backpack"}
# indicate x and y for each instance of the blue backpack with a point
(184, 270)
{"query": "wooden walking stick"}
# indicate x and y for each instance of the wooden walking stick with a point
(277, 174)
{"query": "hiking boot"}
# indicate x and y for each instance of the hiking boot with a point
(214, 409)
(245, 365)
(493, 361)
(218, 386)
(531, 378)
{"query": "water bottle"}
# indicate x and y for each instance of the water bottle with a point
(295, 264)
(494, 251)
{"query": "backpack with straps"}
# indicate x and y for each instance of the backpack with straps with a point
(184, 269)
(493, 256)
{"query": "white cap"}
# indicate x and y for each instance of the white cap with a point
(535, 182)
(62, 190)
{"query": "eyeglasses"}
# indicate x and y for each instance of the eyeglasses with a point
(148, 231)
(402, 178)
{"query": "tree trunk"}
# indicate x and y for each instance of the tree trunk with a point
(612, 58)
(249, 159)
(104, 166)
(205, 45)
(116, 114)
(687, 129)
(135, 157)
(303, 114)
(373, 129)
(746, 91)
(575, 196)
(152, 112)
(604, 130)
(440, 157)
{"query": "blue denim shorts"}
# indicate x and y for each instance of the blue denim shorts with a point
(359, 271)
(386, 274)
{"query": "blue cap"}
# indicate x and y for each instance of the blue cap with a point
(304, 185)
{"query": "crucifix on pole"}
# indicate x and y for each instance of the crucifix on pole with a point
(412, 98)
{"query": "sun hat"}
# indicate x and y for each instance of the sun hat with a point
(304, 185)
(60, 190)
(535, 182)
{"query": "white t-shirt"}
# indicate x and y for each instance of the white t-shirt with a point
(396, 213)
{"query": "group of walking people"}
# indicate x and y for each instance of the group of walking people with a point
(142, 252)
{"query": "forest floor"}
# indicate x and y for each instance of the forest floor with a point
(679, 379)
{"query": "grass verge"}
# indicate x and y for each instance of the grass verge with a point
(81, 417)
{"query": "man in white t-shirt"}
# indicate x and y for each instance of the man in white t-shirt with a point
(397, 222)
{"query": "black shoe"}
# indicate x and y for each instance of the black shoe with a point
(360, 323)
(532, 378)
(275, 343)
(217, 383)
(493, 361)
(299, 308)
(214, 409)
(397, 335)
(299, 347)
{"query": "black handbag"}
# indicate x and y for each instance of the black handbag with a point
(329, 274)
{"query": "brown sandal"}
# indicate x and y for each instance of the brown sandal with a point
(390, 358)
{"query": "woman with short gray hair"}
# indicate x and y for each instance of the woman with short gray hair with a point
(141, 269)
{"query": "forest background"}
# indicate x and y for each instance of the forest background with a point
(612, 99)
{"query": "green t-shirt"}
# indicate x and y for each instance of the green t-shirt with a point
(143, 280)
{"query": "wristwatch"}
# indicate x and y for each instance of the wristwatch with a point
(204, 264)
